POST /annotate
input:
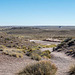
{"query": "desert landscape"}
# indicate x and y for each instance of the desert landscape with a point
(21, 49)
(37, 37)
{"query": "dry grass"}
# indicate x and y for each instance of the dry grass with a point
(46, 54)
(38, 54)
(35, 57)
(16, 52)
(72, 70)
(44, 67)
(48, 46)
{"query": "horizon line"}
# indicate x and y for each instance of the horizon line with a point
(37, 24)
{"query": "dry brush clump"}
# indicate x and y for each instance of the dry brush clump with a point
(35, 57)
(44, 67)
(48, 46)
(12, 41)
(34, 54)
(72, 70)
(68, 46)
(14, 53)
(37, 54)
(46, 53)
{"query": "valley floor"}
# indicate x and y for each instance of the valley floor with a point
(11, 65)
(60, 59)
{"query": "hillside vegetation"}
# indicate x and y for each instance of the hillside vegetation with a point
(40, 33)
(67, 46)
(18, 47)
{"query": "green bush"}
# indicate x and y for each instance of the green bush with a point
(67, 39)
(44, 67)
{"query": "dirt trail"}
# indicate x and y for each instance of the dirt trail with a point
(62, 61)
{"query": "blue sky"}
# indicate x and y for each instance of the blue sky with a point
(37, 12)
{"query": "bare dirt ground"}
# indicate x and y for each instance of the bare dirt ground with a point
(11, 65)
(62, 62)
(60, 59)
(44, 42)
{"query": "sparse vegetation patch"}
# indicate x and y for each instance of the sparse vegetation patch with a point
(40, 68)
(68, 46)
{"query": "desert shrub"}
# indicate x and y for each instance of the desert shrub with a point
(2, 46)
(67, 39)
(39, 46)
(14, 45)
(43, 46)
(24, 51)
(72, 70)
(6, 52)
(35, 57)
(37, 52)
(47, 46)
(45, 57)
(1, 49)
(18, 55)
(9, 46)
(1, 36)
(7, 39)
(18, 47)
(50, 46)
(19, 51)
(28, 52)
(46, 53)
(63, 43)
(60, 45)
(14, 53)
(11, 41)
(44, 67)
(59, 50)
(72, 42)
(24, 47)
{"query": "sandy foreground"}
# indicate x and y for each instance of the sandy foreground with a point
(12, 65)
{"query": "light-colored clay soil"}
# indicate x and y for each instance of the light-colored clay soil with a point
(60, 59)
(11, 65)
